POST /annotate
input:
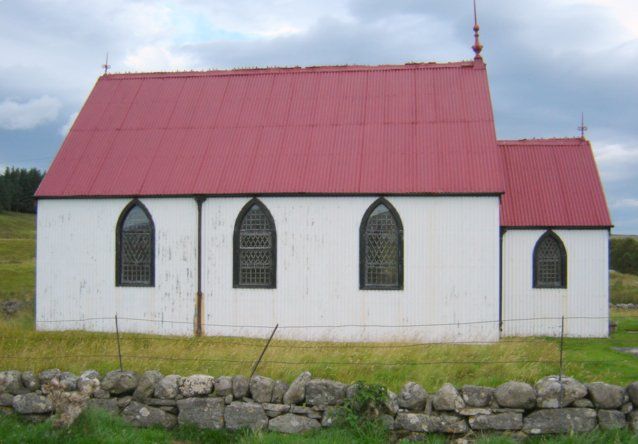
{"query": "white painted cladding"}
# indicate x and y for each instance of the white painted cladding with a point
(75, 276)
(586, 295)
(450, 270)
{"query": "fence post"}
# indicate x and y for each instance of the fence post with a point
(560, 372)
(262, 353)
(117, 335)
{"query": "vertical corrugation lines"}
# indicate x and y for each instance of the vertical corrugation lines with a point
(343, 130)
(552, 183)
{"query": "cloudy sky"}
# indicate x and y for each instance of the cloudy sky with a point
(547, 61)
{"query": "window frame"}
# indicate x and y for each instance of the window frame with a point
(236, 249)
(118, 245)
(563, 262)
(362, 246)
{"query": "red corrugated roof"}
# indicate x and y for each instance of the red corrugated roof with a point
(552, 183)
(416, 128)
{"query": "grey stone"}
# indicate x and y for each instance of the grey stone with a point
(205, 413)
(325, 392)
(141, 415)
(32, 403)
(197, 385)
(68, 381)
(161, 402)
(261, 388)
(223, 386)
(168, 387)
(632, 392)
(351, 391)
(30, 381)
(306, 411)
(278, 392)
(632, 419)
(447, 399)
(391, 403)
(120, 382)
(6, 399)
(606, 396)
(499, 421)
(290, 423)
(6, 411)
(296, 393)
(273, 410)
(90, 374)
(514, 394)
(566, 420)
(241, 386)
(11, 382)
(441, 423)
(228, 399)
(387, 421)
(627, 408)
(477, 396)
(611, 420)
(110, 405)
(46, 376)
(473, 411)
(101, 394)
(552, 394)
(583, 403)
(169, 409)
(239, 415)
(124, 401)
(412, 397)
(88, 385)
(146, 385)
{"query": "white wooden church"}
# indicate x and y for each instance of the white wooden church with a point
(356, 203)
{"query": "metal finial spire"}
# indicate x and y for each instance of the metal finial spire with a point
(477, 44)
(106, 65)
(582, 128)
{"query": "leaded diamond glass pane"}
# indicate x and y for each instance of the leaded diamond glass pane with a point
(548, 263)
(136, 253)
(381, 249)
(256, 249)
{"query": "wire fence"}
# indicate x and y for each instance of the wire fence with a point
(25, 342)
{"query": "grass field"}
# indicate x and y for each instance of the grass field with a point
(526, 359)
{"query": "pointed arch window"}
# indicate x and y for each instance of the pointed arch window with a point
(255, 248)
(381, 248)
(135, 247)
(550, 262)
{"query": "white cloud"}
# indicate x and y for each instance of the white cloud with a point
(616, 162)
(625, 203)
(64, 129)
(155, 58)
(30, 114)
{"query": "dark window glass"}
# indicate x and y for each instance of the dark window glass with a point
(549, 262)
(382, 255)
(255, 248)
(136, 248)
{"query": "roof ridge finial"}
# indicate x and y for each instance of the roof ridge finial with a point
(477, 44)
(582, 128)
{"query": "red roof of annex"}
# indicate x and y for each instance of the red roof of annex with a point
(552, 183)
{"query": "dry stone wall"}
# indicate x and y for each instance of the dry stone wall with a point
(234, 402)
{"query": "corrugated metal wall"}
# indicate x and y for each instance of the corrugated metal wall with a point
(450, 263)
(75, 276)
(586, 295)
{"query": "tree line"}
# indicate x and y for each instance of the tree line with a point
(624, 255)
(17, 186)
